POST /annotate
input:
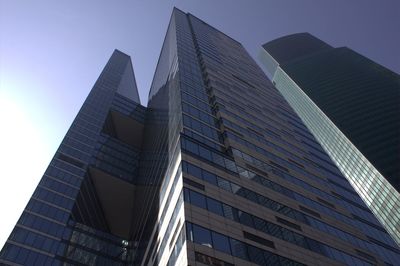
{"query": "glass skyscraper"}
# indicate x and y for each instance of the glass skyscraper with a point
(352, 105)
(216, 170)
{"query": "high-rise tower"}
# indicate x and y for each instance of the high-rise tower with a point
(223, 173)
(351, 104)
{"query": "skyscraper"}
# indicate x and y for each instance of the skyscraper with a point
(217, 170)
(351, 104)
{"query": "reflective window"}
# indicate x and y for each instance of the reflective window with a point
(197, 199)
(239, 249)
(202, 236)
(214, 206)
(221, 242)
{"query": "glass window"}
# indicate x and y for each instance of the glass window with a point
(256, 255)
(270, 259)
(202, 236)
(274, 230)
(228, 211)
(245, 219)
(197, 199)
(31, 257)
(235, 188)
(239, 249)
(214, 206)
(186, 194)
(192, 147)
(22, 255)
(11, 251)
(218, 159)
(205, 153)
(221, 242)
(194, 170)
(316, 246)
(209, 177)
(224, 184)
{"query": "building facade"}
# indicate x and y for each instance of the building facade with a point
(216, 170)
(351, 104)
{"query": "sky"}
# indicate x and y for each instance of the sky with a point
(51, 53)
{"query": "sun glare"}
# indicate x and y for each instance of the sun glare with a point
(23, 156)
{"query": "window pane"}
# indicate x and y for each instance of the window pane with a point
(256, 255)
(192, 147)
(222, 183)
(209, 177)
(221, 243)
(202, 236)
(245, 219)
(194, 170)
(197, 199)
(205, 153)
(270, 259)
(214, 206)
(239, 249)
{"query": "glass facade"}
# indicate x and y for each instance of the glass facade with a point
(251, 185)
(66, 220)
(350, 104)
(217, 170)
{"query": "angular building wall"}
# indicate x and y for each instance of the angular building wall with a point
(351, 105)
(81, 211)
(217, 170)
(257, 187)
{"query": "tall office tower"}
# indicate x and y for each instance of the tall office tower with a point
(246, 182)
(352, 106)
(82, 210)
(226, 173)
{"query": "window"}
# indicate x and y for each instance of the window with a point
(209, 177)
(224, 184)
(239, 249)
(221, 242)
(194, 170)
(202, 236)
(256, 255)
(214, 206)
(197, 199)
(245, 219)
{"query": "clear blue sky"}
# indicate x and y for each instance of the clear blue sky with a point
(51, 53)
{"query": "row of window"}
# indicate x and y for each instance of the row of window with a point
(96, 244)
(53, 184)
(216, 159)
(24, 256)
(307, 219)
(198, 126)
(200, 138)
(195, 101)
(47, 210)
(201, 115)
(203, 236)
(210, 156)
(320, 207)
(116, 147)
(290, 164)
(41, 224)
(54, 198)
(269, 228)
(74, 152)
(31, 239)
(66, 168)
(253, 118)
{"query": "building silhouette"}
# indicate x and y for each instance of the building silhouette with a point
(216, 170)
(351, 104)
